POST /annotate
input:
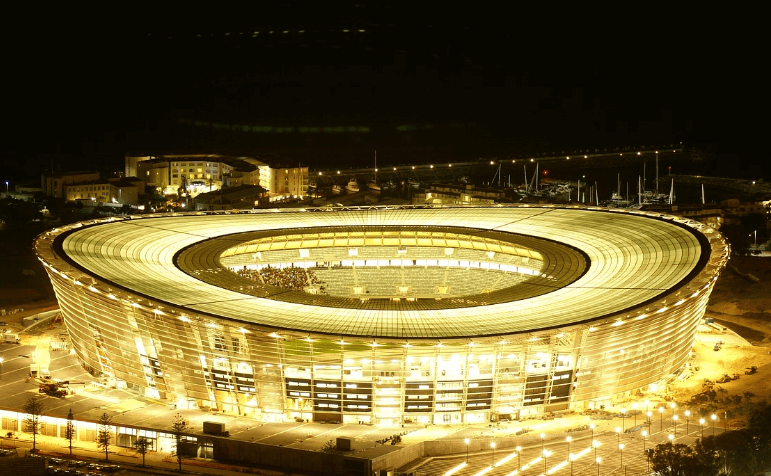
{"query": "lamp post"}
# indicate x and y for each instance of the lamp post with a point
(661, 412)
(644, 434)
(623, 418)
(598, 460)
(671, 438)
(570, 455)
(674, 423)
(467, 441)
(701, 422)
(519, 459)
(543, 452)
(649, 414)
(634, 411)
(673, 407)
(6, 187)
(618, 435)
(492, 463)
(687, 416)
(714, 417)
(621, 454)
(1, 368)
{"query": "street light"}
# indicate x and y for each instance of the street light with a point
(671, 437)
(519, 459)
(492, 445)
(570, 455)
(543, 453)
(618, 435)
(644, 435)
(467, 441)
(621, 454)
(701, 422)
(649, 414)
(623, 418)
(687, 415)
(595, 444)
(598, 460)
(634, 411)
(714, 417)
(661, 412)
(1, 368)
(674, 423)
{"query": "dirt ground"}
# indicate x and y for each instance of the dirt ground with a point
(742, 302)
(743, 306)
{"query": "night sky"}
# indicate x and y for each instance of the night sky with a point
(425, 82)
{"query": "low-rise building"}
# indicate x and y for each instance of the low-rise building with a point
(201, 173)
(124, 191)
(708, 213)
(242, 197)
(458, 194)
(54, 184)
(740, 208)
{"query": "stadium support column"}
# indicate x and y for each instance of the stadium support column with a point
(403, 382)
(464, 409)
(578, 337)
(437, 351)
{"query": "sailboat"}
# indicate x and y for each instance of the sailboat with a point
(372, 184)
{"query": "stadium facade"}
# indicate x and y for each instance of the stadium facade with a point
(435, 315)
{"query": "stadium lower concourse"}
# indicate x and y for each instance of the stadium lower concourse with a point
(385, 315)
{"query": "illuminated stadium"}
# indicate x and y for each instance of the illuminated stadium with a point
(385, 316)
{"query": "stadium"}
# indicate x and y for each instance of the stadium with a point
(380, 315)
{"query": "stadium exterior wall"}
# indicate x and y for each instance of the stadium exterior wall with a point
(197, 359)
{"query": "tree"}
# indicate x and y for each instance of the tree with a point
(104, 437)
(142, 445)
(178, 428)
(682, 460)
(330, 448)
(69, 430)
(33, 408)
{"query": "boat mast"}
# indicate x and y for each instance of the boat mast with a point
(527, 187)
(578, 192)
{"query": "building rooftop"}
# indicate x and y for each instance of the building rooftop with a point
(633, 259)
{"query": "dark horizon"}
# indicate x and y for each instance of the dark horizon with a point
(427, 83)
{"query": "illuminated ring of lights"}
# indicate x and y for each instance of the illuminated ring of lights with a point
(638, 260)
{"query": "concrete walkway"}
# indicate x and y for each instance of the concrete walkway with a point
(157, 463)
